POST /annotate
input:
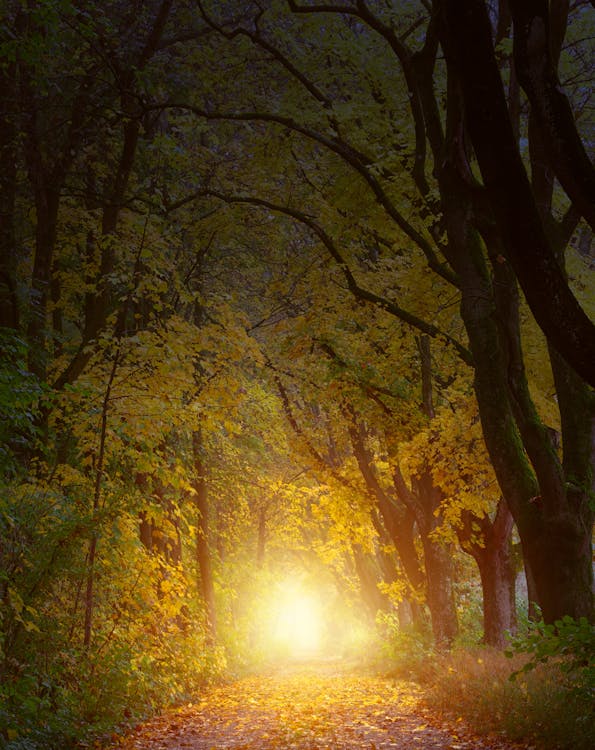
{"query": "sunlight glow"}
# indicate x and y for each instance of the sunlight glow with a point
(298, 624)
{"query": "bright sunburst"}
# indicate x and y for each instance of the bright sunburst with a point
(298, 623)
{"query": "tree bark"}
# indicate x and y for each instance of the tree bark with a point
(94, 540)
(493, 555)
(262, 536)
(498, 591)
(437, 562)
(424, 498)
(520, 447)
(397, 521)
(9, 312)
(536, 71)
(203, 553)
(468, 46)
(374, 599)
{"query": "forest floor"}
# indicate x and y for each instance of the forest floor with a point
(314, 705)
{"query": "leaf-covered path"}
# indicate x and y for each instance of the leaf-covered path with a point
(306, 707)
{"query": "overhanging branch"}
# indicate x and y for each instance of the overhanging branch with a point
(355, 158)
(358, 291)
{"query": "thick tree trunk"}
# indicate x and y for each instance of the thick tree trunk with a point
(532, 596)
(493, 555)
(520, 446)
(574, 569)
(440, 596)
(555, 533)
(560, 556)
(468, 45)
(558, 550)
(498, 590)
(536, 70)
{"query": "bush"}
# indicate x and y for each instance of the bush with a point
(568, 642)
(404, 652)
(540, 705)
(76, 696)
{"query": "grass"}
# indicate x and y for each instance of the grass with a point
(543, 707)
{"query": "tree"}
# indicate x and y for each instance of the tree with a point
(257, 302)
(552, 518)
(468, 41)
(510, 422)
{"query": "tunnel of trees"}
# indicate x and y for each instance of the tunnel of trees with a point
(289, 290)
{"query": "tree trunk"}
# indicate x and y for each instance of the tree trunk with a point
(553, 533)
(438, 563)
(262, 536)
(440, 597)
(374, 599)
(9, 312)
(428, 498)
(493, 555)
(408, 608)
(468, 46)
(535, 67)
(498, 591)
(532, 596)
(94, 540)
(46, 209)
(398, 521)
(203, 553)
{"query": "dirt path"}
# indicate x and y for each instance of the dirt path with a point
(305, 707)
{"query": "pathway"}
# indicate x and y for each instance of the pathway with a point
(306, 707)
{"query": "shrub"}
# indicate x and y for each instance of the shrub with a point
(540, 705)
(568, 642)
(405, 651)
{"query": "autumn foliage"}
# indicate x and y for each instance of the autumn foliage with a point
(274, 377)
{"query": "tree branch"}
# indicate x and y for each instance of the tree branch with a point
(357, 160)
(259, 41)
(468, 41)
(550, 106)
(357, 291)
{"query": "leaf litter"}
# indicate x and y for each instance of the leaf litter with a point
(306, 707)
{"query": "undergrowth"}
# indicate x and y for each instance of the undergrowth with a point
(541, 706)
(74, 699)
(541, 692)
